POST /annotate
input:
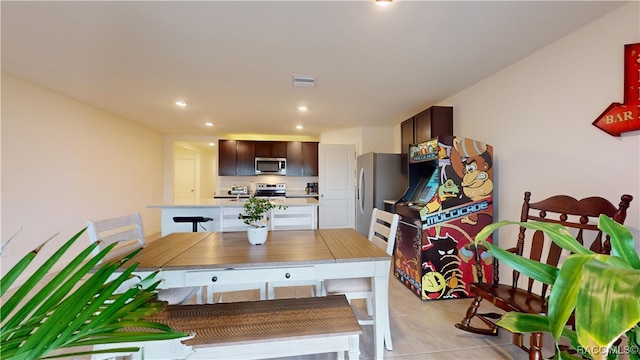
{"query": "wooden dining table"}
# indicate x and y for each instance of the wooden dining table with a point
(210, 258)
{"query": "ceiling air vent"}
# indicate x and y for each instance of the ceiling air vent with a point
(300, 81)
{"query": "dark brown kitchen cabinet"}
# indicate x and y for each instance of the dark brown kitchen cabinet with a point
(246, 154)
(294, 158)
(271, 149)
(406, 139)
(302, 158)
(435, 121)
(236, 157)
(227, 157)
(309, 159)
(430, 123)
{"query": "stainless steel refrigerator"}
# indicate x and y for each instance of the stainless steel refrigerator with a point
(379, 179)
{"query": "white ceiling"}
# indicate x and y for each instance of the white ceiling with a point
(232, 61)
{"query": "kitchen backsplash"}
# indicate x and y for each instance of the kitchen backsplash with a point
(295, 184)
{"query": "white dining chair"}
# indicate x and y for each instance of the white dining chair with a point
(382, 232)
(127, 230)
(315, 285)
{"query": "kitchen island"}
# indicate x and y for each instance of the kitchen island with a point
(301, 213)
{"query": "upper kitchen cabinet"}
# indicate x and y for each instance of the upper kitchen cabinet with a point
(227, 157)
(294, 158)
(432, 122)
(246, 154)
(271, 149)
(435, 121)
(302, 158)
(236, 157)
(406, 139)
(309, 159)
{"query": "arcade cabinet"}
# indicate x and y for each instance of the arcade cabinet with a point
(448, 201)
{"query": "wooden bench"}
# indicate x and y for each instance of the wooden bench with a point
(258, 330)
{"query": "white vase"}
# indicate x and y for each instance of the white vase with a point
(257, 236)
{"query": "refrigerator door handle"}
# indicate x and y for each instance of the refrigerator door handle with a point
(360, 192)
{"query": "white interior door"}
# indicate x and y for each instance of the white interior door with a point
(184, 181)
(336, 181)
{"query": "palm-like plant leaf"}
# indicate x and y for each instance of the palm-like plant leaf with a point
(55, 290)
(603, 290)
(525, 323)
(622, 244)
(35, 278)
(531, 268)
(616, 313)
(14, 272)
(556, 232)
(79, 306)
(562, 300)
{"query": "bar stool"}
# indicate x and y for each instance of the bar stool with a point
(194, 220)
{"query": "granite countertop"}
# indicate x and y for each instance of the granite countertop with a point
(234, 202)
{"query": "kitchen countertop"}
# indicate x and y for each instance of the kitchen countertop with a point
(301, 194)
(291, 194)
(305, 201)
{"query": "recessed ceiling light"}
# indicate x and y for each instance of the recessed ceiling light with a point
(383, 2)
(208, 124)
(212, 144)
(181, 103)
(299, 127)
(303, 108)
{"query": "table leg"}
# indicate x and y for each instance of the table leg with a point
(380, 303)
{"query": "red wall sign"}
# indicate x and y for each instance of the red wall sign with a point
(619, 118)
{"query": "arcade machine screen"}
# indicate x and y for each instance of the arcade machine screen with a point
(427, 187)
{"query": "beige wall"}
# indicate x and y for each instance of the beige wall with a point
(367, 139)
(538, 112)
(64, 162)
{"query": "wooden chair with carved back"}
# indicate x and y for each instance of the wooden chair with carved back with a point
(580, 217)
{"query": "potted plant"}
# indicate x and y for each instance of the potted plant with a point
(255, 215)
(602, 290)
(79, 306)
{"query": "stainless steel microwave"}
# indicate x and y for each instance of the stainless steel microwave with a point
(271, 166)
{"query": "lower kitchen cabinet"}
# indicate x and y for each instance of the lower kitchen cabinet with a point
(294, 218)
(291, 218)
(300, 214)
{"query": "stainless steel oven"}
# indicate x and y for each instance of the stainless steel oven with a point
(271, 166)
(271, 190)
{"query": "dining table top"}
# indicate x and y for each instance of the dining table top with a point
(224, 250)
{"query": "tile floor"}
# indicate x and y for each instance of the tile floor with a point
(419, 330)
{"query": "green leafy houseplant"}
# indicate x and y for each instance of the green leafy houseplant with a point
(603, 290)
(78, 306)
(255, 210)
